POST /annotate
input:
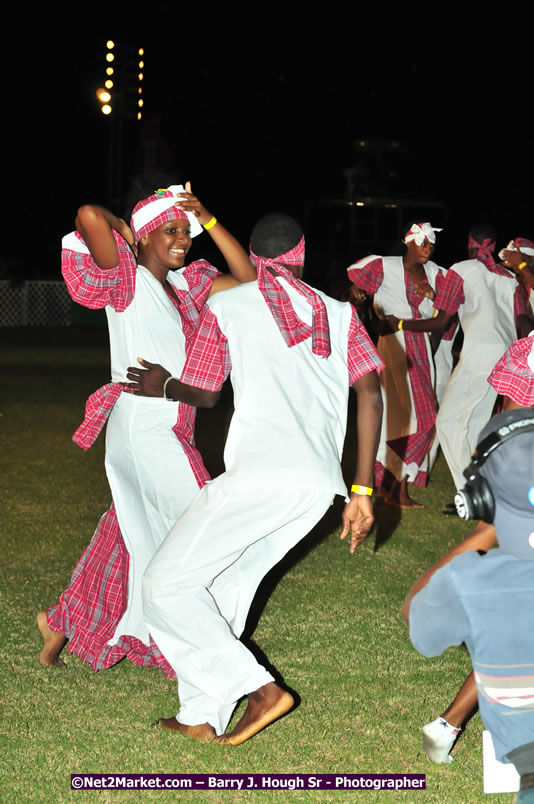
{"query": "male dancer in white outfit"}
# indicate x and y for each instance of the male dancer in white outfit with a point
(292, 353)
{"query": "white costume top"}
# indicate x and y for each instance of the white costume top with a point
(486, 316)
(302, 398)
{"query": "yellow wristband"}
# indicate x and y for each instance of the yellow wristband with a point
(522, 265)
(211, 223)
(400, 324)
(362, 490)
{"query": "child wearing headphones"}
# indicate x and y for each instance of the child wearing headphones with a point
(473, 598)
(513, 378)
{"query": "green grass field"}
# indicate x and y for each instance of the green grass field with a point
(327, 621)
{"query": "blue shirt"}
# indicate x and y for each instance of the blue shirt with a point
(488, 603)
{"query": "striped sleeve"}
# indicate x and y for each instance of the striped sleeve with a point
(199, 276)
(367, 274)
(208, 362)
(450, 294)
(521, 300)
(362, 356)
(95, 287)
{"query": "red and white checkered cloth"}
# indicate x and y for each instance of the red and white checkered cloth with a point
(368, 277)
(414, 447)
(450, 293)
(97, 409)
(485, 254)
(362, 356)
(450, 332)
(513, 374)
(91, 608)
(159, 208)
(95, 287)
(292, 328)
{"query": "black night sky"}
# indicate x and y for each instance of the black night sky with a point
(262, 118)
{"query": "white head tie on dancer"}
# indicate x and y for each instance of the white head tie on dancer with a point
(420, 232)
(159, 208)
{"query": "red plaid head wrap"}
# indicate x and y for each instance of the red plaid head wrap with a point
(159, 208)
(524, 245)
(292, 328)
(485, 250)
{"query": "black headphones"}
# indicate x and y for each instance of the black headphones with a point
(475, 500)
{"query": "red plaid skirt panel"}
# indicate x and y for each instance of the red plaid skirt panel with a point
(90, 609)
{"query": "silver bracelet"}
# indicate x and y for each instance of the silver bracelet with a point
(167, 381)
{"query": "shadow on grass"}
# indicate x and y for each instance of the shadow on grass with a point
(327, 525)
(387, 520)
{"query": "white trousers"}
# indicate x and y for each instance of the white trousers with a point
(200, 584)
(465, 408)
(443, 360)
(152, 484)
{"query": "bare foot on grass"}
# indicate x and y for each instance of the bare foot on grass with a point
(398, 496)
(265, 705)
(203, 732)
(53, 643)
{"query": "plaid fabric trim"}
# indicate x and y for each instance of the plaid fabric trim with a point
(293, 330)
(90, 610)
(99, 406)
(95, 287)
(450, 293)
(485, 255)
(414, 447)
(512, 376)
(368, 277)
(170, 214)
(199, 275)
(208, 362)
(97, 409)
(449, 333)
(521, 300)
(362, 356)
(184, 430)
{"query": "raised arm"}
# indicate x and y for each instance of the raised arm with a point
(357, 516)
(95, 224)
(233, 252)
(521, 264)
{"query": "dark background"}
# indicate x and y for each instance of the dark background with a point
(261, 111)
